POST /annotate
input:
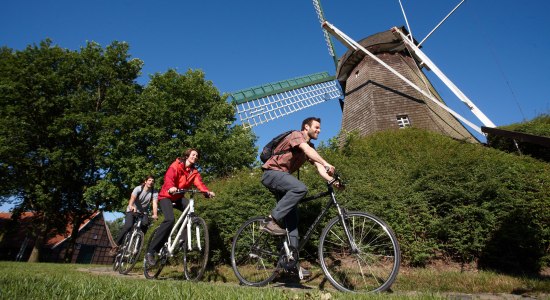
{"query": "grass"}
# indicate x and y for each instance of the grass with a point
(69, 281)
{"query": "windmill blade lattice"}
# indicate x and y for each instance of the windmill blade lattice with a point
(268, 102)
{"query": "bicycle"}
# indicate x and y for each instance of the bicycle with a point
(181, 247)
(130, 250)
(358, 252)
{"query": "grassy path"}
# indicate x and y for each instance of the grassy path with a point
(67, 281)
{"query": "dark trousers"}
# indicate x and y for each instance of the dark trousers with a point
(292, 191)
(163, 231)
(129, 223)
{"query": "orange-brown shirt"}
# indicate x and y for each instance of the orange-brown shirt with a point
(293, 158)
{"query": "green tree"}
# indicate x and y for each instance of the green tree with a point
(55, 104)
(78, 133)
(174, 112)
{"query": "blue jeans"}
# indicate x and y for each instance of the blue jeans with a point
(292, 191)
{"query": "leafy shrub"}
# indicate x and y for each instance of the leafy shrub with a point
(443, 198)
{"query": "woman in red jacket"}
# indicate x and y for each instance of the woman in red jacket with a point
(180, 175)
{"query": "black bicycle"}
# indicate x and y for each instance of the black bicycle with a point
(187, 246)
(130, 250)
(358, 251)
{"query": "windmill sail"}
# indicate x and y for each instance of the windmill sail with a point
(261, 104)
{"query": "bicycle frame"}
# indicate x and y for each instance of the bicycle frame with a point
(135, 227)
(184, 222)
(341, 213)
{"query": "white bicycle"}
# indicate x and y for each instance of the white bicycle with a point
(127, 255)
(187, 247)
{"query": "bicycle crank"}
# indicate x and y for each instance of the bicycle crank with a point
(289, 259)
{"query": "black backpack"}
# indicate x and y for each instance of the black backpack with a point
(268, 149)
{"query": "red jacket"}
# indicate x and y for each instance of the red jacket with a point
(181, 177)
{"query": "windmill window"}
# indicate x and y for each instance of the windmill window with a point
(403, 121)
(357, 74)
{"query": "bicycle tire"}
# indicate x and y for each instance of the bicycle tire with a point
(153, 271)
(195, 260)
(122, 250)
(255, 254)
(117, 260)
(131, 252)
(373, 268)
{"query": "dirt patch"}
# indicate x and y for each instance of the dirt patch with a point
(109, 271)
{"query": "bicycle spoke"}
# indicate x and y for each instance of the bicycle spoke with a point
(195, 259)
(254, 254)
(372, 266)
(153, 271)
(132, 251)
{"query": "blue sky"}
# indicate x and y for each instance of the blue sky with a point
(496, 52)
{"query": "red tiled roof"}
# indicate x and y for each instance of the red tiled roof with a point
(26, 218)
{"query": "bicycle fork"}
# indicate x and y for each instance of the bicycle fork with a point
(342, 213)
(132, 237)
(190, 236)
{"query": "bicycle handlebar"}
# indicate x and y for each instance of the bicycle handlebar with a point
(336, 178)
(138, 213)
(192, 191)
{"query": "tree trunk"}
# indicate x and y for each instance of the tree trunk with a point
(36, 250)
(38, 244)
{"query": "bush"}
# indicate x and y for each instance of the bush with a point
(443, 198)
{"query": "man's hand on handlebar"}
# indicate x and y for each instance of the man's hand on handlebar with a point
(337, 182)
(209, 194)
(339, 185)
(330, 169)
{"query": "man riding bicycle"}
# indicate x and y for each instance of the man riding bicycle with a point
(290, 155)
(140, 199)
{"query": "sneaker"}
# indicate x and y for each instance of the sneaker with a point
(272, 227)
(150, 259)
(304, 273)
(114, 250)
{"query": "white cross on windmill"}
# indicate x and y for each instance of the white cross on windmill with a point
(379, 82)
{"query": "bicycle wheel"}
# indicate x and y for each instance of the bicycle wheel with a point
(195, 259)
(153, 271)
(375, 264)
(122, 251)
(117, 260)
(255, 254)
(174, 266)
(131, 252)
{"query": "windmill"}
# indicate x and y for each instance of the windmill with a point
(380, 84)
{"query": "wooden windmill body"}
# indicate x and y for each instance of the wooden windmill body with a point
(377, 100)
(380, 84)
